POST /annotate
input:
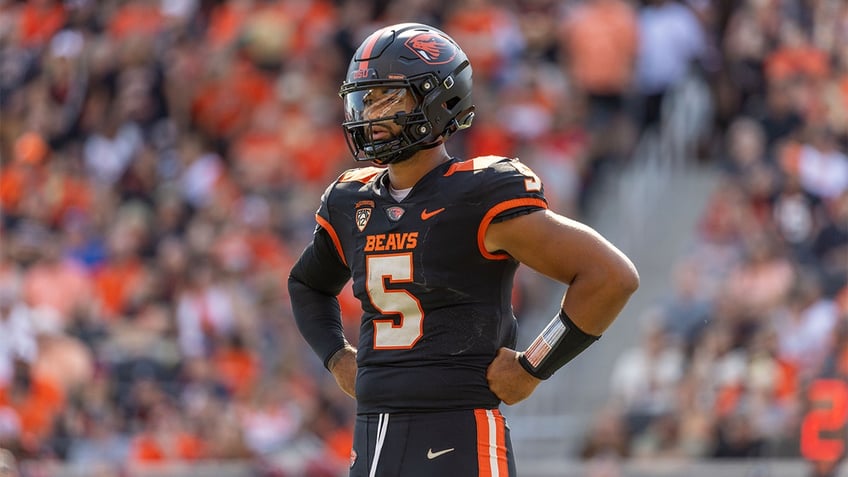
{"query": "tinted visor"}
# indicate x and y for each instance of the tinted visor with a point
(375, 103)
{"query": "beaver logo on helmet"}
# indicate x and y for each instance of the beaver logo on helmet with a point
(433, 49)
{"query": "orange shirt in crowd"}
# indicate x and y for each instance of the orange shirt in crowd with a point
(224, 104)
(147, 449)
(73, 194)
(226, 21)
(36, 409)
(269, 250)
(488, 137)
(601, 41)
(40, 20)
(786, 381)
(476, 26)
(327, 155)
(14, 180)
(787, 62)
(256, 156)
(136, 19)
(238, 370)
(339, 443)
(26, 173)
(314, 24)
(114, 282)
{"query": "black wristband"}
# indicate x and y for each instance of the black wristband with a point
(560, 342)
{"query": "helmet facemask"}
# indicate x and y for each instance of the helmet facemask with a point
(384, 122)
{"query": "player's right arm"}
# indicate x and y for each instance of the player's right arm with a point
(314, 284)
(601, 279)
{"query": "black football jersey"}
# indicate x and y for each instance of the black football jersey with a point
(436, 305)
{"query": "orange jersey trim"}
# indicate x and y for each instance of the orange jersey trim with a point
(492, 213)
(333, 235)
(491, 443)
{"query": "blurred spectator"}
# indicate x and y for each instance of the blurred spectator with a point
(56, 288)
(744, 47)
(644, 379)
(490, 35)
(36, 400)
(108, 152)
(165, 437)
(270, 420)
(671, 41)
(761, 280)
(830, 245)
(205, 310)
(806, 325)
(600, 43)
(97, 444)
(779, 116)
(39, 20)
(607, 437)
(688, 310)
(120, 281)
(18, 336)
(796, 216)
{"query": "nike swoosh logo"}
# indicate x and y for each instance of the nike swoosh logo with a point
(432, 455)
(426, 215)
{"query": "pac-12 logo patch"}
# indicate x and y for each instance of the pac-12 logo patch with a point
(362, 216)
(363, 213)
(433, 49)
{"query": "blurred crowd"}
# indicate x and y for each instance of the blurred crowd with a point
(161, 161)
(747, 355)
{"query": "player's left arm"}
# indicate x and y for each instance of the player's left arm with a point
(600, 280)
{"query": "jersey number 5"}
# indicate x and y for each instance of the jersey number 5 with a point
(395, 268)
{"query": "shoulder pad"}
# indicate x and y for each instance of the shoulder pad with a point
(362, 174)
(476, 164)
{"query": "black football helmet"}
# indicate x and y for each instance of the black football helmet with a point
(396, 63)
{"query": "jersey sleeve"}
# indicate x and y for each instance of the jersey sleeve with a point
(501, 180)
(508, 189)
(314, 282)
(325, 225)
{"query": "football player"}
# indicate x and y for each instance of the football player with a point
(431, 243)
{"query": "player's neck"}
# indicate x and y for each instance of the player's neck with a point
(407, 173)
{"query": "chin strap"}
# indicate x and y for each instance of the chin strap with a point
(560, 342)
(408, 153)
